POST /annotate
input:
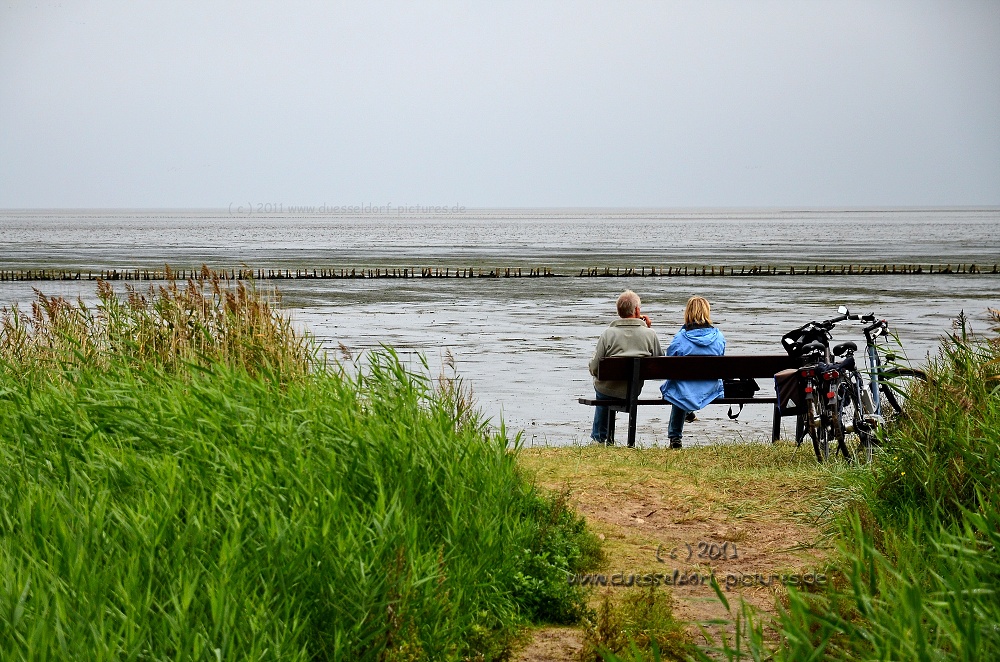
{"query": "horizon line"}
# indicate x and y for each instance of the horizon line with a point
(294, 209)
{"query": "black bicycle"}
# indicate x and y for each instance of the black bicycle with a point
(814, 387)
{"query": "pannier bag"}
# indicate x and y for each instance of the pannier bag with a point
(786, 387)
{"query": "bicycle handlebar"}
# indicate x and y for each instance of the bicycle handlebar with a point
(875, 325)
(827, 325)
(830, 323)
(795, 341)
(870, 317)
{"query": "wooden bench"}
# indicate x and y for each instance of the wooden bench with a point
(634, 371)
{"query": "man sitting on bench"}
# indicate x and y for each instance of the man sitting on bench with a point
(696, 337)
(630, 336)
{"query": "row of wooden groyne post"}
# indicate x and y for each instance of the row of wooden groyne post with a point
(794, 270)
(13, 275)
(272, 274)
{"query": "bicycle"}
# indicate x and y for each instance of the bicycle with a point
(860, 407)
(819, 416)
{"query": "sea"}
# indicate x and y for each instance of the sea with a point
(522, 344)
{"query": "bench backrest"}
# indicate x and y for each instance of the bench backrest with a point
(695, 367)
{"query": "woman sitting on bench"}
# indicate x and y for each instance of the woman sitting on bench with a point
(696, 337)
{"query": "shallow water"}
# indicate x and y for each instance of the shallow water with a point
(566, 239)
(523, 344)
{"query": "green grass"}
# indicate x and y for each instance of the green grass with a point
(211, 499)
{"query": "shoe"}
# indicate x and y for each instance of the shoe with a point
(602, 442)
(675, 442)
(690, 418)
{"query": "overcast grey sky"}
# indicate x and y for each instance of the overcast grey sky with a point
(674, 104)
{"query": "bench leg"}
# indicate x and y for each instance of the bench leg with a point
(631, 426)
(776, 424)
(634, 389)
(611, 426)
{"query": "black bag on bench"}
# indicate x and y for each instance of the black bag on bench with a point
(744, 387)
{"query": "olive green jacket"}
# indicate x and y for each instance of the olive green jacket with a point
(625, 337)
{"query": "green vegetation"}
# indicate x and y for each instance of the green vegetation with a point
(641, 624)
(920, 557)
(199, 322)
(182, 477)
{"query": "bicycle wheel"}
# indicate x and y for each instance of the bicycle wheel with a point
(825, 434)
(852, 421)
(819, 432)
(838, 433)
(894, 385)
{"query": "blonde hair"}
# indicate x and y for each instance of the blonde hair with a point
(628, 302)
(697, 311)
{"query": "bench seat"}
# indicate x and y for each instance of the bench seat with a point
(635, 371)
(622, 405)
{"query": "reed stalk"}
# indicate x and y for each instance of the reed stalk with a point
(201, 322)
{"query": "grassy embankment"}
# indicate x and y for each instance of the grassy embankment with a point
(917, 568)
(182, 477)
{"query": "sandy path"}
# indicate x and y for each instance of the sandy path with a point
(661, 511)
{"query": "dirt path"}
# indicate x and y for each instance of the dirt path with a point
(552, 644)
(737, 510)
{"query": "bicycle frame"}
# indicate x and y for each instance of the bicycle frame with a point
(872, 332)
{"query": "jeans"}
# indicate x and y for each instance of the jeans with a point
(602, 420)
(676, 424)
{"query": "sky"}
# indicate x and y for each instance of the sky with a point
(511, 104)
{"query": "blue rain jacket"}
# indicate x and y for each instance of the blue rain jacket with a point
(694, 395)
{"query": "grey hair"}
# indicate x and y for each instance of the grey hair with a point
(628, 302)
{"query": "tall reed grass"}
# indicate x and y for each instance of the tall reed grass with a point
(197, 321)
(183, 477)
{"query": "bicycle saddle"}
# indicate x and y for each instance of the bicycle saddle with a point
(843, 347)
(815, 347)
